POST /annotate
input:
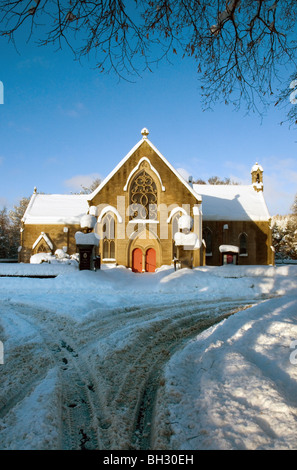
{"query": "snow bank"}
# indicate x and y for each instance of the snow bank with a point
(234, 387)
(77, 293)
(35, 420)
(59, 257)
(38, 269)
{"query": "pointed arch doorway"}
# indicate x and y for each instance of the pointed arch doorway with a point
(137, 260)
(144, 251)
(150, 260)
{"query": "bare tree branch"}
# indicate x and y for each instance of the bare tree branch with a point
(239, 46)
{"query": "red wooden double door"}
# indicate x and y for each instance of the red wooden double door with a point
(138, 259)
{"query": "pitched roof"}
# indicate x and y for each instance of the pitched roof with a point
(232, 202)
(56, 209)
(121, 163)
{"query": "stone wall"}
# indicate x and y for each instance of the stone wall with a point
(56, 233)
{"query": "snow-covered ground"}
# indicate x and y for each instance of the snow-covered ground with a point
(83, 350)
(234, 386)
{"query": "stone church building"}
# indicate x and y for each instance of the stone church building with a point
(144, 214)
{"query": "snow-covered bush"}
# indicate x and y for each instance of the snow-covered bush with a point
(75, 257)
(59, 257)
(39, 258)
(60, 254)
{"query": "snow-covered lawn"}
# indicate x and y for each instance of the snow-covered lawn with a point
(232, 386)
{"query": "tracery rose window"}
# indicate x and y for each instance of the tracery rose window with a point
(143, 197)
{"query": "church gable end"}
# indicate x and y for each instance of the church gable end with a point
(143, 190)
(146, 157)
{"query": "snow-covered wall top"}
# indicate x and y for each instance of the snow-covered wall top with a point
(232, 202)
(86, 238)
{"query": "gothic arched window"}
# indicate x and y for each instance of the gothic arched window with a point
(143, 197)
(108, 236)
(42, 248)
(243, 244)
(174, 231)
(207, 236)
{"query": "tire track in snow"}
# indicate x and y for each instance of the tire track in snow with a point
(128, 369)
(111, 367)
(144, 427)
(79, 408)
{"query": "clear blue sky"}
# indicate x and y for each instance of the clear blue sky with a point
(63, 124)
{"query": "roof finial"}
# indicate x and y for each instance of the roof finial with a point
(35, 190)
(145, 133)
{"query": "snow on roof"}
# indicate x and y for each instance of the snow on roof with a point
(256, 167)
(56, 209)
(232, 202)
(219, 202)
(228, 248)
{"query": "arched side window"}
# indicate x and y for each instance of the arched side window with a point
(42, 248)
(174, 222)
(243, 245)
(143, 197)
(207, 236)
(108, 236)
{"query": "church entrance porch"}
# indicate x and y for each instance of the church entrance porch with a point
(229, 254)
